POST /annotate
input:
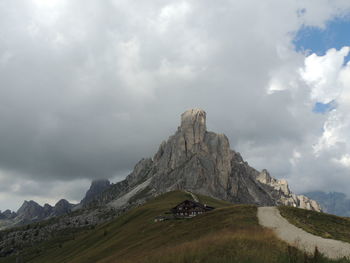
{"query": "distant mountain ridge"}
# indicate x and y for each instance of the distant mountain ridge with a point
(332, 202)
(31, 211)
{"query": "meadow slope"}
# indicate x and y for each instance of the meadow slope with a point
(230, 233)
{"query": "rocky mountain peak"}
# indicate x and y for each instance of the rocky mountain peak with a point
(27, 204)
(62, 204)
(97, 186)
(7, 214)
(193, 125)
(192, 116)
(201, 161)
(30, 209)
(279, 185)
(62, 207)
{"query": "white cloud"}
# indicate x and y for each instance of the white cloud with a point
(172, 13)
(325, 162)
(322, 74)
(331, 135)
(344, 160)
(329, 80)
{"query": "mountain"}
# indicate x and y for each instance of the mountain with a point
(193, 159)
(47, 209)
(333, 202)
(7, 214)
(96, 188)
(30, 210)
(200, 161)
(62, 207)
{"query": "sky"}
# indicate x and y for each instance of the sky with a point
(88, 88)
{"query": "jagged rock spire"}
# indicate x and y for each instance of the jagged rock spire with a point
(201, 161)
(193, 125)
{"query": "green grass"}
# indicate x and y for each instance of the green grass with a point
(321, 224)
(230, 233)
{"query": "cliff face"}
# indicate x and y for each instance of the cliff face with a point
(96, 188)
(200, 161)
(30, 210)
(284, 196)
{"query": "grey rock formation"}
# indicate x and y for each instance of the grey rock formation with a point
(137, 180)
(62, 207)
(47, 209)
(286, 197)
(7, 214)
(200, 161)
(96, 188)
(30, 210)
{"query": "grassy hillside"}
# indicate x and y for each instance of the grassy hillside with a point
(321, 224)
(230, 233)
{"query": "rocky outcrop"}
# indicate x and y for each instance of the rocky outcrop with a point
(62, 207)
(47, 209)
(285, 196)
(96, 188)
(7, 214)
(135, 182)
(14, 241)
(30, 210)
(200, 161)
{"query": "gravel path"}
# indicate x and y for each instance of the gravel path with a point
(270, 217)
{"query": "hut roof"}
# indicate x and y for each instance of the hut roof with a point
(192, 204)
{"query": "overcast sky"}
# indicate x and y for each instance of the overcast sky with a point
(88, 87)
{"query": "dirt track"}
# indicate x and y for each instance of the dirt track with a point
(270, 217)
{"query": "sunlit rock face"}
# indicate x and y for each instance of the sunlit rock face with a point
(201, 161)
(286, 197)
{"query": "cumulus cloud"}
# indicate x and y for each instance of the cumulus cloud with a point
(322, 74)
(87, 88)
(325, 157)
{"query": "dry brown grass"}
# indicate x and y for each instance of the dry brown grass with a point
(321, 224)
(227, 234)
(253, 244)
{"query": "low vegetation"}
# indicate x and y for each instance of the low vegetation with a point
(230, 233)
(320, 224)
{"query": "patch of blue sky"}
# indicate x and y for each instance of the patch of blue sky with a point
(336, 34)
(324, 107)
